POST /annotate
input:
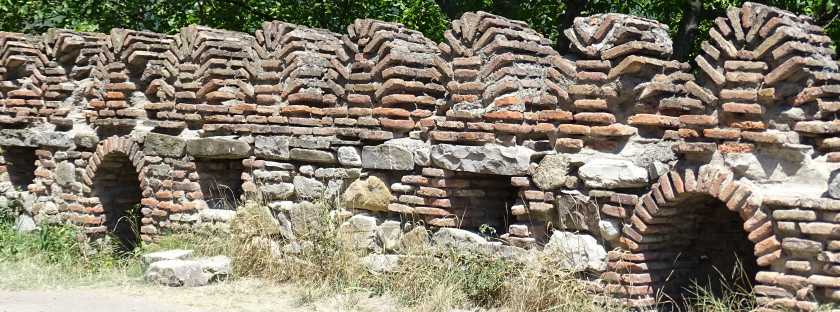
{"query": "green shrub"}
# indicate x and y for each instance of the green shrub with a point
(56, 243)
(9, 211)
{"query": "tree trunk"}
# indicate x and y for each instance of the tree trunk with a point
(687, 33)
(449, 9)
(564, 21)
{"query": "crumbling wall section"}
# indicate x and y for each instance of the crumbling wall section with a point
(612, 145)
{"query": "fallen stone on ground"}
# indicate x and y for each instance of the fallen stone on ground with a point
(177, 268)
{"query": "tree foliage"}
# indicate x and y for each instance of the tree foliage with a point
(428, 16)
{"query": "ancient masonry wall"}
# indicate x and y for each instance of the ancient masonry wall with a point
(654, 160)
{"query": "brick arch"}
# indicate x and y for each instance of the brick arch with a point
(641, 268)
(112, 189)
(111, 145)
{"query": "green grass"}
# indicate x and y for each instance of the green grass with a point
(427, 279)
(56, 256)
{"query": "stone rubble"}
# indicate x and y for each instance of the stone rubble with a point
(177, 268)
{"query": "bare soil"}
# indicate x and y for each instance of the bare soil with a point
(240, 295)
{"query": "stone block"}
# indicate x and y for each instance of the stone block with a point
(271, 147)
(389, 157)
(612, 174)
(218, 148)
(489, 159)
(156, 144)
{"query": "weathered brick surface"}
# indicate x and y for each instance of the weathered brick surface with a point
(491, 128)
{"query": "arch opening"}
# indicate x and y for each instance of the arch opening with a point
(20, 165)
(117, 186)
(220, 182)
(715, 257)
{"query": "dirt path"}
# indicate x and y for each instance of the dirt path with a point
(82, 300)
(241, 295)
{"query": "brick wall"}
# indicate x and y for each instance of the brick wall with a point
(491, 128)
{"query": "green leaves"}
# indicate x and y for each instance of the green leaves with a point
(427, 16)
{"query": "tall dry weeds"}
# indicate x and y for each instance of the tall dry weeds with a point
(427, 279)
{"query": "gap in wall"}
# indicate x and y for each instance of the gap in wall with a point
(221, 182)
(484, 202)
(718, 256)
(117, 186)
(20, 163)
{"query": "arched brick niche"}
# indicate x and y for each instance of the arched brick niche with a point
(114, 175)
(698, 225)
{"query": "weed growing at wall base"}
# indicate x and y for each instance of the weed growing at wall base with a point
(54, 255)
(426, 279)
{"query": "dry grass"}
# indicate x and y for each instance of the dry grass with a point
(325, 275)
(427, 280)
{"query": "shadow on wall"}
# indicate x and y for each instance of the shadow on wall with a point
(20, 163)
(117, 186)
(711, 252)
(221, 182)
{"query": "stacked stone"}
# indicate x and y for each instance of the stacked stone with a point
(215, 68)
(515, 95)
(444, 198)
(773, 74)
(109, 106)
(807, 231)
(22, 88)
(492, 128)
(186, 85)
(148, 58)
(507, 88)
(663, 223)
(78, 52)
(311, 68)
(172, 195)
(396, 71)
(532, 210)
(313, 65)
(624, 76)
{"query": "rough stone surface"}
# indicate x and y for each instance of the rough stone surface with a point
(308, 187)
(612, 174)
(834, 186)
(420, 150)
(391, 157)
(369, 194)
(173, 254)
(390, 234)
(216, 267)
(217, 215)
(65, 173)
(490, 159)
(176, 273)
(457, 238)
(551, 172)
(253, 219)
(359, 232)
(609, 230)
(349, 156)
(576, 252)
(278, 191)
(271, 147)
(416, 238)
(218, 148)
(25, 224)
(164, 145)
